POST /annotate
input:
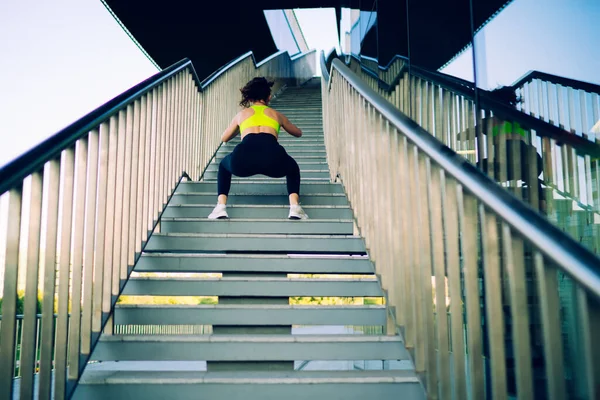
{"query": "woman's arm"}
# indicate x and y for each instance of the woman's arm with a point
(231, 131)
(289, 127)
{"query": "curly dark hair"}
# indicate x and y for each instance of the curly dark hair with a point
(256, 90)
(507, 95)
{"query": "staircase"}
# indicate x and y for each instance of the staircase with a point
(258, 343)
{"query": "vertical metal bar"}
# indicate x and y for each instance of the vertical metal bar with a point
(594, 350)
(585, 126)
(62, 320)
(148, 162)
(179, 133)
(89, 242)
(585, 325)
(168, 134)
(47, 334)
(438, 111)
(107, 279)
(189, 146)
(153, 161)
(124, 239)
(78, 233)
(551, 327)
(438, 261)
(468, 225)
(445, 119)
(162, 146)
(451, 249)
(8, 328)
(28, 341)
(540, 97)
(453, 123)
(551, 90)
(561, 107)
(493, 302)
(407, 226)
(119, 193)
(425, 272)
(515, 269)
(133, 188)
(101, 222)
(197, 134)
(139, 235)
(572, 114)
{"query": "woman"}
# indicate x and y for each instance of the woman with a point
(259, 152)
(519, 153)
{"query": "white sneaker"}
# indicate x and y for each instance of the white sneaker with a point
(219, 212)
(296, 212)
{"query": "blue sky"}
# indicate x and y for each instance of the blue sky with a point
(554, 36)
(60, 60)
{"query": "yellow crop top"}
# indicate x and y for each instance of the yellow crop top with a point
(259, 119)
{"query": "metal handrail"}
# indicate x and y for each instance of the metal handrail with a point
(105, 181)
(573, 258)
(486, 100)
(450, 244)
(35, 158)
(559, 80)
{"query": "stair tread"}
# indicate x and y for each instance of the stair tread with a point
(256, 235)
(261, 307)
(233, 221)
(263, 338)
(254, 279)
(96, 374)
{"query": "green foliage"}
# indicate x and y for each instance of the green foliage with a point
(21, 303)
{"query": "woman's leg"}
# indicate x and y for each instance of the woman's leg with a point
(289, 168)
(224, 180)
(292, 177)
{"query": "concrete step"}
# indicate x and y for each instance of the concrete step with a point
(256, 211)
(258, 187)
(189, 242)
(288, 147)
(254, 385)
(282, 226)
(287, 139)
(249, 315)
(202, 263)
(248, 348)
(252, 287)
(263, 179)
(304, 166)
(313, 199)
(222, 152)
(322, 158)
(305, 175)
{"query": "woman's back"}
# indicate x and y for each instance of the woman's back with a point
(259, 119)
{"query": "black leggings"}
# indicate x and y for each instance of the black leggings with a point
(259, 153)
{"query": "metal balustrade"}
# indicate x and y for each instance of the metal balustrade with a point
(570, 104)
(554, 170)
(79, 208)
(460, 257)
